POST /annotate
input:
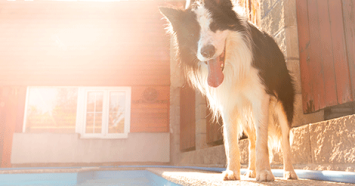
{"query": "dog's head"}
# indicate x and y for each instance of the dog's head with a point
(201, 31)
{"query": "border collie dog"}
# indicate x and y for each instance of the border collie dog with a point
(243, 74)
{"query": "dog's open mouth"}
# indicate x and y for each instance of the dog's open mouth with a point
(215, 70)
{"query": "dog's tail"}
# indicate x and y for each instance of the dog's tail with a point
(278, 124)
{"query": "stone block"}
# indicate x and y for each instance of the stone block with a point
(199, 98)
(200, 112)
(266, 6)
(298, 119)
(313, 117)
(212, 156)
(175, 139)
(333, 141)
(290, 13)
(275, 156)
(201, 126)
(174, 119)
(244, 151)
(218, 154)
(293, 67)
(272, 16)
(201, 141)
(301, 146)
(280, 39)
(291, 41)
(176, 75)
(174, 95)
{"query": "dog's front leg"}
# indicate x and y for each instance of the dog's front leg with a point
(230, 134)
(261, 117)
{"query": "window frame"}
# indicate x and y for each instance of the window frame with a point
(82, 106)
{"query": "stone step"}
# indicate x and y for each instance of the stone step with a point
(326, 145)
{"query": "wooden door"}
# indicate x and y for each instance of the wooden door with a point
(326, 44)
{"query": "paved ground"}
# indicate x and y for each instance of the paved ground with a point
(199, 178)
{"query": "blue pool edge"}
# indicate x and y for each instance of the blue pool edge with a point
(84, 177)
(334, 176)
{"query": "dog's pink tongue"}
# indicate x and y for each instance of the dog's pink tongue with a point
(215, 74)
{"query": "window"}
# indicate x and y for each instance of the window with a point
(94, 112)
(51, 109)
(104, 112)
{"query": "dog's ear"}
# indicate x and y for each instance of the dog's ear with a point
(171, 14)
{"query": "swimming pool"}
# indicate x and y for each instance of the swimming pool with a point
(87, 178)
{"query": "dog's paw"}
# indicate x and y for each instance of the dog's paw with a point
(265, 175)
(230, 175)
(250, 173)
(290, 175)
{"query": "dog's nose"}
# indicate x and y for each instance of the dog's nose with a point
(208, 51)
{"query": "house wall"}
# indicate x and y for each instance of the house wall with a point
(84, 43)
(32, 149)
(60, 43)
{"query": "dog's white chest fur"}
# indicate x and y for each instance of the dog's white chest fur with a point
(241, 84)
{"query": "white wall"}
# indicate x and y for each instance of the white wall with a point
(69, 148)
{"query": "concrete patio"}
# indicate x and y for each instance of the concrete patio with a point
(191, 177)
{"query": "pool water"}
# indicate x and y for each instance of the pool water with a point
(87, 178)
